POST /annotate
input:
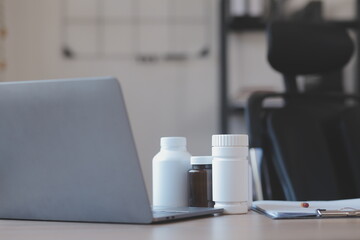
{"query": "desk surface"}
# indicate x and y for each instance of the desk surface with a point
(250, 226)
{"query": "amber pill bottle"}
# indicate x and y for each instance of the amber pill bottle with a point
(200, 182)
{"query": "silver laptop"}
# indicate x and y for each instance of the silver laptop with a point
(67, 154)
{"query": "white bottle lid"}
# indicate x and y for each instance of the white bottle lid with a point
(173, 142)
(201, 160)
(230, 140)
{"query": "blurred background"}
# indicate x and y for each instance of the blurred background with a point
(167, 54)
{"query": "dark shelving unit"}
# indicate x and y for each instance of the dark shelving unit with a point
(237, 24)
(229, 24)
(232, 24)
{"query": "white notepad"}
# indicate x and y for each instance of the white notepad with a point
(291, 209)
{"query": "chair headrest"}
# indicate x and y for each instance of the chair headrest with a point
(300, 48)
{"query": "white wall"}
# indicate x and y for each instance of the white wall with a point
(163, 99)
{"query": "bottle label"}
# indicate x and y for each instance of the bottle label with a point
(230, 180)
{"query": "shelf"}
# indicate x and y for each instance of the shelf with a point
(246, 23)
(238, 24)
(239, 105)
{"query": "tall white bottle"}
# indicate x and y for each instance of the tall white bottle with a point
(170, 166)
(230, 173)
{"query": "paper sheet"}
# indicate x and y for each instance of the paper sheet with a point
(291, 209)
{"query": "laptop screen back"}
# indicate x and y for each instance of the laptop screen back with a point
(67, 153)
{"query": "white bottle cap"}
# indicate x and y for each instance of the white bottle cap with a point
(173, 142)
(230, 140)
(201, 160)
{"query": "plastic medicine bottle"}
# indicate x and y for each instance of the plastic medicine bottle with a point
(230, 173)
(170, 167)
(200, 182)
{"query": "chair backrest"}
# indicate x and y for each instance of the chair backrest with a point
(301, 48)
(350, 133)
(307, 152)
(303, 140)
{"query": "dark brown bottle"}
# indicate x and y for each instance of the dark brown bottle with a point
(200, 182)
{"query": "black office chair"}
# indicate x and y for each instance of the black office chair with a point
(304, 143)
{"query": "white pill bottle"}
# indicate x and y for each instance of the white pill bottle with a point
(170, 167)
(231, 172)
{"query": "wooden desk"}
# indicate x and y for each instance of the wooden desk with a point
(250, 226)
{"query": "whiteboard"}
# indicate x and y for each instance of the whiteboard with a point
(145, 30)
